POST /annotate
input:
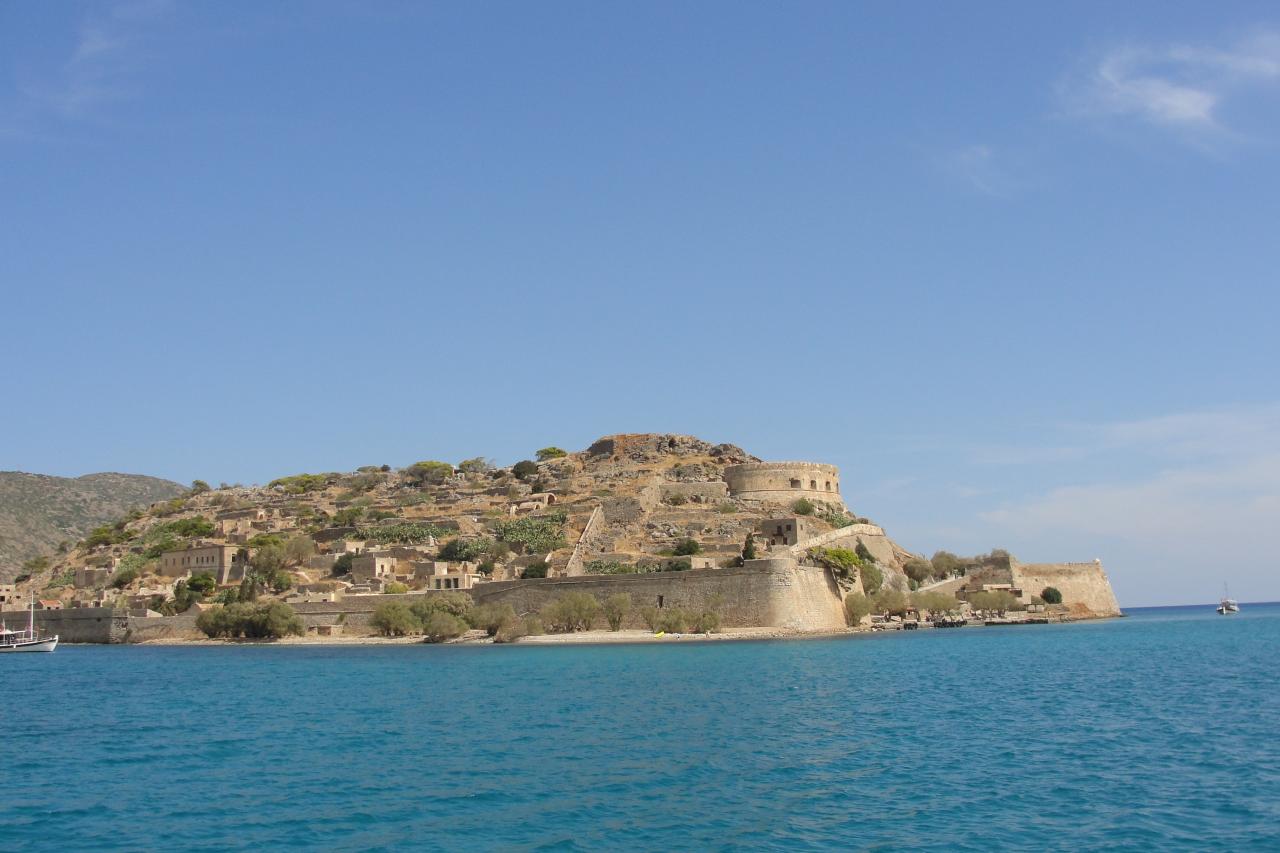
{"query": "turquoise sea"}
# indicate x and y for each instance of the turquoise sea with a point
(1158, 731)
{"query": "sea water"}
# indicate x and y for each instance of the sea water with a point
(1159, 730)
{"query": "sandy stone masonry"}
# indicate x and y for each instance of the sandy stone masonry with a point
(784, 482)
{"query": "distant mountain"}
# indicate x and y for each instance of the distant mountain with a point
(37, 512)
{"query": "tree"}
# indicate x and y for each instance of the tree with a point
(524, 469)
(396, 588)
(945, 564)
(492, 618)
(864, 553)
(269, 559)
(439, 627)
(918, 569)
(395, 619)
(890, 601)
(458, 550)
(550, 453)
(574, 611)
(935, 602)
(616, 608)
(428, 472)
(478, 465)
(687, 547)
(342, 565)
(872, 578)
(749, 548)
(454, 603)
(804, 506)
(998, 600)
(199, 487)
(1051, 595)
(299, 548)
(856, 607)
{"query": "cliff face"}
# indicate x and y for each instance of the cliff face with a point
(1085, 587)
(37, 512)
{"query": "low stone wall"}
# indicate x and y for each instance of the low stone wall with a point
(764, 593)
(76, 625)
(1085, 587)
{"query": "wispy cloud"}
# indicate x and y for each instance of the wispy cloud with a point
(999, 173)
(1175, 86)
(103, 64)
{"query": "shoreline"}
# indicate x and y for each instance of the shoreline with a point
(595, 637)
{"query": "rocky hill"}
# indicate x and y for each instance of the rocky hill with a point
(39, 512)
(631, 504)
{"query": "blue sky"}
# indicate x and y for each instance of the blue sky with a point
(1012, 267)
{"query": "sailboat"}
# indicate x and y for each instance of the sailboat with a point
(1228, 605)
(28, 640)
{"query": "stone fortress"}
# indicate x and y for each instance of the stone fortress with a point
(627, 499)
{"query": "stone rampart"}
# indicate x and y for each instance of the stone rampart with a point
(1085, 587)
(784, 482)
(764, 593)
(77, 624)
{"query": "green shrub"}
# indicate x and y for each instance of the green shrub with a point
(395, 588)
(395, 619)
(441, 626)
(534, 570)
(890, 601)
(428, 472)
(534, 534)
(615, 609)
(405, 533)
(651, 616)
(299, 548)
(478, 465)
(673, 620)
(997, 599)
(202, 583)
(935, 602)
(35, 564)
(609, 567)
(872, 578)
(749, 548)
(687, 547)
(254, 621)
(459, 550)
(199, 487)
(841, 561)
(803, 506)
(454, 603)
(524, 469)
(1051, 595)
(836, 518)
(727, 508)
(492, 618)
(573, 611)
(348, 516)
(675, 500)
(342, 565)
(124, 576)
(264, 540)
(856, 606)
(550, 453)
(918, 569)
(864, 553)
(301, 484)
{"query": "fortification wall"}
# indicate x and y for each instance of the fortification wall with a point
(764, 593)
(76, 625)
(784, 482)
(1085, 587)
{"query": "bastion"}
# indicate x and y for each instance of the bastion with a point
(784, 482)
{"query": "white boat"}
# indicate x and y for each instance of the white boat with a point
(28, 640)
(1227, 605)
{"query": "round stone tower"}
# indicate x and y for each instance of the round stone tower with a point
(784, 482)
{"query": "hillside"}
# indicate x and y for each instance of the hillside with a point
(38, 512)
(635, 505)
